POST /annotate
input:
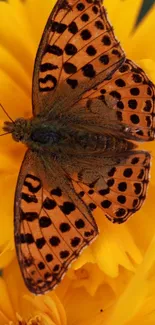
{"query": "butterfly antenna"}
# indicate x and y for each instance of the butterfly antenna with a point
(5, 134)
(6, 113)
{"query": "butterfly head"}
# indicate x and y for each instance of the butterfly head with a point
(18, 128)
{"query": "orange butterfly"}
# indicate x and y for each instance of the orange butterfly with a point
(89, 102)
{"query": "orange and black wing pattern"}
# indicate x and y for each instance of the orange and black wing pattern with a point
(77, 51)
(50, 229)
(119, 189)
(123, 104)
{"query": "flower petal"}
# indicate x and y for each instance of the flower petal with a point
(6, 307)
(123, 15)
(136, 292)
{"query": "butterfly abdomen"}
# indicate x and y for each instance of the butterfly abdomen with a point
(84, 142)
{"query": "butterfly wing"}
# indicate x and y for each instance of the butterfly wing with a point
(54, 221)
(51, 228)
(79, 56)
(78, 49)
(134, 95)
(118, 185)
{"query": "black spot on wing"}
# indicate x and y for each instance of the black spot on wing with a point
(64, 254)
(49, 204)
(58, 27)
(138, 188)
(79, 223)
(31, 187)
(69, 68)
(132, 103)
(134, 91)
(104, 59)
(64, 227)
(54, 49)
(56, 191)
(70, 49)
(29, 216)
(49, 257)
(67, 207)
(72, 28)
(26, 238)
(88, 70)
(106, 40)
(73, 83)
(41, 265)
(48, 66)
(56, 268)
(106, 204)
(49, 77)
(54, 241)
(91, 50)
(99, 24)
(40, 242)
(116, 52)
(80, 6)
(85, 34)
(29, 198)
(120, 212)
(104, 191)
(75, 241)
(44, 222)
(85, 17)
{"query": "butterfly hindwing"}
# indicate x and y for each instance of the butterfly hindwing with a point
(78, 50)
(50, 229)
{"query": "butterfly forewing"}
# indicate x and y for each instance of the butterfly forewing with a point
(78, 50)
(50, 229)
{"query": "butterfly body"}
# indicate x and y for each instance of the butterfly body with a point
(45, 136)
(89, 102)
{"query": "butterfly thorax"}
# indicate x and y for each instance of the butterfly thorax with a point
(42, 135)
(33, 132)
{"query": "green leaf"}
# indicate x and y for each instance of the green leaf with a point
(146, 6)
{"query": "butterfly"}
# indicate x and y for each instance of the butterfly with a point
(90, 105)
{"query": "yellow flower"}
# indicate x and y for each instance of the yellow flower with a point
(128, 300)
(102, 281)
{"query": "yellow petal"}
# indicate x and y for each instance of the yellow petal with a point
(5, 302)
(138, 44)
(133, 297)
(7, 254)
(89, 276)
